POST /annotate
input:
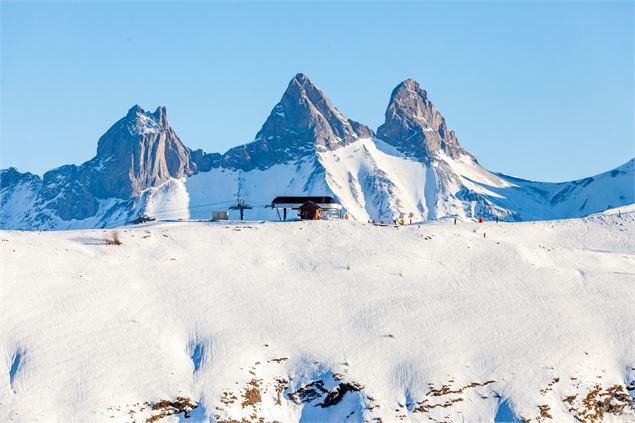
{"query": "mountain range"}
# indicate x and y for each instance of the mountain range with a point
(413, 163)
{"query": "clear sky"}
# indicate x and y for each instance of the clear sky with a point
(541, 90)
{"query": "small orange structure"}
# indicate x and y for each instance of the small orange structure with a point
(310, 211)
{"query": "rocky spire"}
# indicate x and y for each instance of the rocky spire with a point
(303, 122)
(415, 127)
(138, 152)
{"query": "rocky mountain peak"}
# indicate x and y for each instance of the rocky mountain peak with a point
(303, 122)
(11, 177)
(139, 121)
(414, 125)
(302, 79)
(134, 110)
(140, 151)
(301, 86)
(161, 116)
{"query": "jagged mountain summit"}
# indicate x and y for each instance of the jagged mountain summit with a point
(302, 123)
(414, 125)
(414, 164)
(141, 151)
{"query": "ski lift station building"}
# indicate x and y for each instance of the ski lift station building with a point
(308, 207)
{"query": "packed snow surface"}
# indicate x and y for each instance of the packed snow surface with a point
(322, 321)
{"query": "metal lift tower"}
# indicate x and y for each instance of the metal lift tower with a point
(241, 205)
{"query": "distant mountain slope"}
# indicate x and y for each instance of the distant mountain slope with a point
(548, 200)
(415, 164)
(138, 152)
(375, 182)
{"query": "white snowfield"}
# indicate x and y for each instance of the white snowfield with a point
(372, 180)
(323, 321)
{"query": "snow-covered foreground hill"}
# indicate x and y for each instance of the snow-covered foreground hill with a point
(321, 321)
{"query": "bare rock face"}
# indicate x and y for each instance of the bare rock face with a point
(205, 161)
(303, 122)
(67, 191)
(138, 152)
(17, 192)
(11, 177)
(414, 125)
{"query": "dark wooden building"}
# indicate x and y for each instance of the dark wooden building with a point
(310, 211)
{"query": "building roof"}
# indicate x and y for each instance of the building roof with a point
(312, 204)
(287, 202)
(303, 199)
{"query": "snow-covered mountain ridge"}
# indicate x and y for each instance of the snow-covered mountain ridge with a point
(434, 322)
(414, 164)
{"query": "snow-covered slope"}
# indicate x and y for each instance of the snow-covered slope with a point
(321, 322)
(374, 181)
(258, 186)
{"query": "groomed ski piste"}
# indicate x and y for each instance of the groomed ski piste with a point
(321, 321)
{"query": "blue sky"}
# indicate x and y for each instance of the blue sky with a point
(541, 90)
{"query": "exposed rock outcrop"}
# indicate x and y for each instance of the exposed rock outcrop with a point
(138, 152)
(304, 121)
(205, 161)
(414, 125)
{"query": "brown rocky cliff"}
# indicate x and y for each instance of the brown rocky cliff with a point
(138, 152)
(414, 125)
